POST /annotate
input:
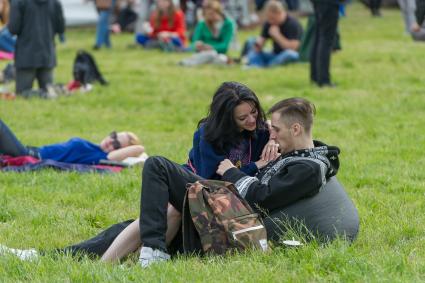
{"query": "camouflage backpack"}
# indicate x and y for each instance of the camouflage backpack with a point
(216, 219)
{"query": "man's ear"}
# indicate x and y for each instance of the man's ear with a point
(296, 129)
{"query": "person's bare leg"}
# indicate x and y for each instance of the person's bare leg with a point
(125, 243)
(128, 240)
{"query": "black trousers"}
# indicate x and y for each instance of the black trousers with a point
(95, 247)
(326, 16)
(374, 5)
(10, 145)
(163, 182)
(25, 78)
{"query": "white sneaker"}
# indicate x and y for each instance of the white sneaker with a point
(149, 256)
(30, 254)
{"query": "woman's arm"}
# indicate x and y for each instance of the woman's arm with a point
(123, 153)
(227, 33)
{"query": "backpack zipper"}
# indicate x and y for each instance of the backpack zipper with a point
(246, 230)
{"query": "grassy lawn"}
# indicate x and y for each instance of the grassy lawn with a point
(375, 115)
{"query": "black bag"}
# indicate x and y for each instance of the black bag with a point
(85, 69)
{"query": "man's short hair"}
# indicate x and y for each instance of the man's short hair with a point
(295, 110)
(274, 6)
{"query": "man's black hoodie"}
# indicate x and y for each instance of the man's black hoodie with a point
(293, 176)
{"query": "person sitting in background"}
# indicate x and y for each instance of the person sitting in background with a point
(418, 28)
(126, 17)
(285, 32)
(35, 23)
(7, 40)
(212, 36)
(116, 147)
(166, 28)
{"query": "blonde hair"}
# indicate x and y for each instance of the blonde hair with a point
(214, 5)
(133, 139)
(274, 6)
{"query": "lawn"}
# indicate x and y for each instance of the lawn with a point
(375, 115)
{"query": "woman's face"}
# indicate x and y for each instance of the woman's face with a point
(115, 141)
(211, 16)
(163, 5)
(245, 116)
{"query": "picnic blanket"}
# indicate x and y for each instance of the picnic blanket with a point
(29, 163)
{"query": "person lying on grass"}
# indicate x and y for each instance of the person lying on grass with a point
(300, 171)
(116, 147)
(234, 129)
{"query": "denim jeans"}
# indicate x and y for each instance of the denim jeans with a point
(174, 43)
(102, 29)
(7, 40)
(270, 59)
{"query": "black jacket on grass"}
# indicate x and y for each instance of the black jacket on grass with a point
(296, 175)
(36, 22)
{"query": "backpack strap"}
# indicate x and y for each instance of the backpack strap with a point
(191, 240)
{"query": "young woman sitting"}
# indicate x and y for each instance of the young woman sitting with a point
(212, 36)
(166, 28)
(116, 147)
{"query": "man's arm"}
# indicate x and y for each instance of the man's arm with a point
(59, 18)
(295, 181)
(15, 20)
(282, 41)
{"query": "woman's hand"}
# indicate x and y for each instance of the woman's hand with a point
(270, 151)
(164, 35)
(225, 165)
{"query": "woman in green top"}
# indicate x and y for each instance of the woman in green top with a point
(212, 36)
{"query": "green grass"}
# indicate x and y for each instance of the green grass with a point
(375, 115)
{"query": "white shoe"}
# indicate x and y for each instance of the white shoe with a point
(149, 256)
(22, 254)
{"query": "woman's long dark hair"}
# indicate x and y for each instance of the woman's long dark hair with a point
(220, 128)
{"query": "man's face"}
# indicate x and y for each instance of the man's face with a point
(282, 134)
(275, 18)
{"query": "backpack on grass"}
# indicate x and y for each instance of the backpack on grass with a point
(85, 69)
(217, 219)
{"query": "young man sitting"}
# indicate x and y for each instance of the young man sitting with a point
(285, 33)
(301, 171)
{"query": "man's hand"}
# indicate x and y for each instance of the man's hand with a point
(270, 151)
(274, 32)
(225, 165)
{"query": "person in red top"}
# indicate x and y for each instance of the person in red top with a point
(166, 28)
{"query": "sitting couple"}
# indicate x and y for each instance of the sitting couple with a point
(234, 144)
